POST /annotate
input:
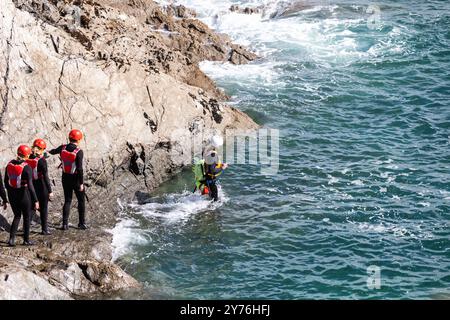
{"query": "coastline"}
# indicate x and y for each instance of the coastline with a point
(129, 75)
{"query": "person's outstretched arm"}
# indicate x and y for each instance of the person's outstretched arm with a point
(56, 151)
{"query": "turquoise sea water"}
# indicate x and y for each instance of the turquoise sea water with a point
(364, 117)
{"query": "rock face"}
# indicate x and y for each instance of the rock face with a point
(286, 9)
(126, 73)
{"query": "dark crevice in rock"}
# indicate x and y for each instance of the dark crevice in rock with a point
(60, 84)
(164, 145)
(134, 167)
(153, 126)
(84, 269)
(55, 43)
(6, 76)
(213, 107)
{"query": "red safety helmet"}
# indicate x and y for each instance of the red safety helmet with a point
(40, 144)
(75, 135)
(24, 151)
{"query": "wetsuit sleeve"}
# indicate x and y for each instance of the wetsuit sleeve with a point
(43, 168)
(56, 151)
(79, 165)
(2, 190)
(28, 175)
(6, 180)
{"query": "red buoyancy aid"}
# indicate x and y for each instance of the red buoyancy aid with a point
(33, 163)
(68, 160)
(15, 175)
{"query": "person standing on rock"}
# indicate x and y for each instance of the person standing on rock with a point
(72, 177)
(41, 181)
(21, 193)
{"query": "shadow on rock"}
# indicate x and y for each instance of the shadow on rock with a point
(4, 225)
(142, 197)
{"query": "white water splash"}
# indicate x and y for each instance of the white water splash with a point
(178, 207)
(174, 209)
(126, 234)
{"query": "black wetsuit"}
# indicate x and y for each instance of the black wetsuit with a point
(2, 191)
(211, 173)
(22, 201)
(71, 183)
(43, 188)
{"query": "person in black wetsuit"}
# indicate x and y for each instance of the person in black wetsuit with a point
(72, 178)
(213, 168)
(41, 181)
(21, 194)
(3, 193)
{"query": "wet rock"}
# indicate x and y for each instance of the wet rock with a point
(180, 11)
(246, 10)
(241, 56)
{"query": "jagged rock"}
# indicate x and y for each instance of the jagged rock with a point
(241, 56)
(180, 11)
(72, 279)
(133, 90)
(20, 284)
(247, 10)
(131, 32)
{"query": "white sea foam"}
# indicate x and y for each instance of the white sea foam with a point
(424, 204)
(174, 209)
(263, 73)
(357, 182)
(126, 234)
(332, 180)
(328, 38)
(396, 230)
(178, 207)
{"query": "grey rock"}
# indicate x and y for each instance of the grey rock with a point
(130, 88)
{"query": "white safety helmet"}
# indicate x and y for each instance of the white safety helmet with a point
(216, 141)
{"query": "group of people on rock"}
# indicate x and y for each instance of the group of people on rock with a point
(28, 187)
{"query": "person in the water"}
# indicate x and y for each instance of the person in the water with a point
(213, 168)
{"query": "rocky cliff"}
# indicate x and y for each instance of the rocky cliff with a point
(127, 74)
